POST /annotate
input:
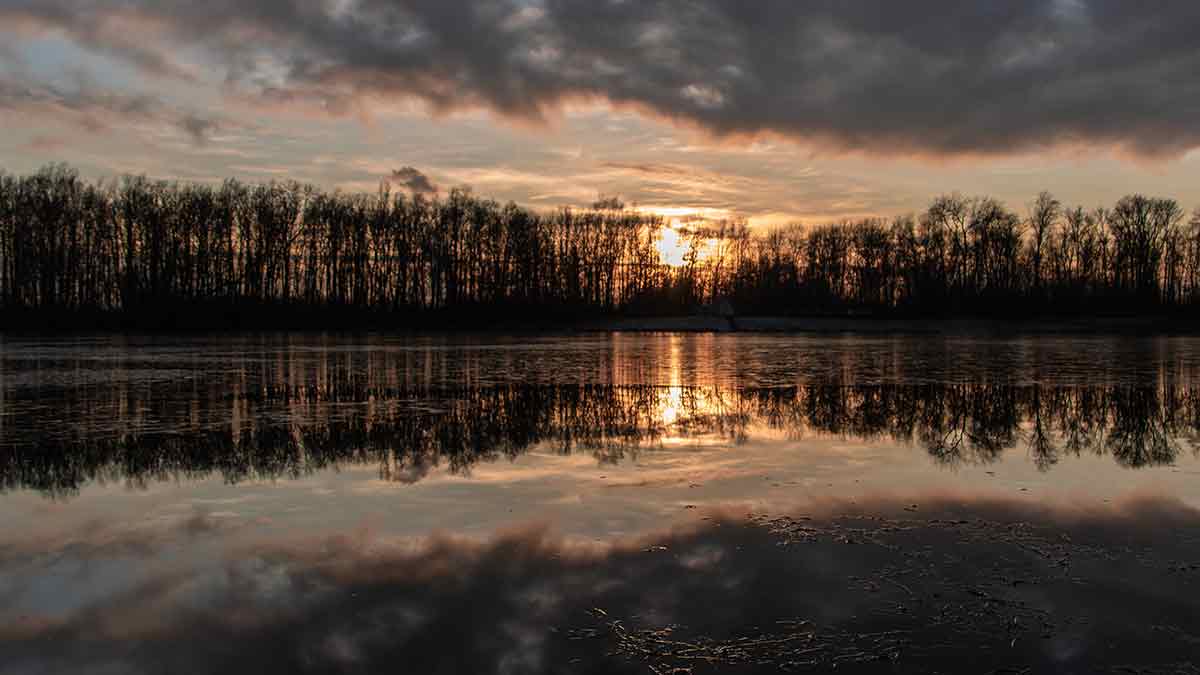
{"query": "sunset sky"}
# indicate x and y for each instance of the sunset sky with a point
(772, 111)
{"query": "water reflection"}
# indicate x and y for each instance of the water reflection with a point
(138, 437)
(1003, 585)
(635, 460)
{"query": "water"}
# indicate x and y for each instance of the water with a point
(147, 481)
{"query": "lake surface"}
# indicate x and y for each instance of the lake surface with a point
(157, 488)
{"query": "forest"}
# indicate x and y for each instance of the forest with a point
(137, 251)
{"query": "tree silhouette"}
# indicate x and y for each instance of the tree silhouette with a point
(143, 251)
(268, 425)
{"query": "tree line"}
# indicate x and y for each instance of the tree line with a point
(145, 250)
(967, 255)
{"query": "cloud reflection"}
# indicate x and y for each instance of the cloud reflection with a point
(1009, 584)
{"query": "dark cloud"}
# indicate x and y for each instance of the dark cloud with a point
(414, 181)
(929, 76)
(1008, 584)
(198, 127)
(649, 169)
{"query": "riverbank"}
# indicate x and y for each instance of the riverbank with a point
(873, 325)
(524, 320)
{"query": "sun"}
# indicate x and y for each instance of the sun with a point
(672, 247)
(675, 246)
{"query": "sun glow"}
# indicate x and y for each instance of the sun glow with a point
(674, 246)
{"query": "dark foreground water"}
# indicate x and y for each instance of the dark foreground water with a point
(627, 503)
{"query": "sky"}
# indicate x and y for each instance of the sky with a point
(773, 111)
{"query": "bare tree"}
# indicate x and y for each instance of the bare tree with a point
(1043, 217)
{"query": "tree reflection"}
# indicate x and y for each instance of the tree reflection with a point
(140, 435)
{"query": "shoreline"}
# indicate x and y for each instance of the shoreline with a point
(443, 324)
(898, 326)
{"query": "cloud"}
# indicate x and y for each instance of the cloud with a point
(44, 143)
(925, 77)
(414, 181)
(198, 127)
(97, 110)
